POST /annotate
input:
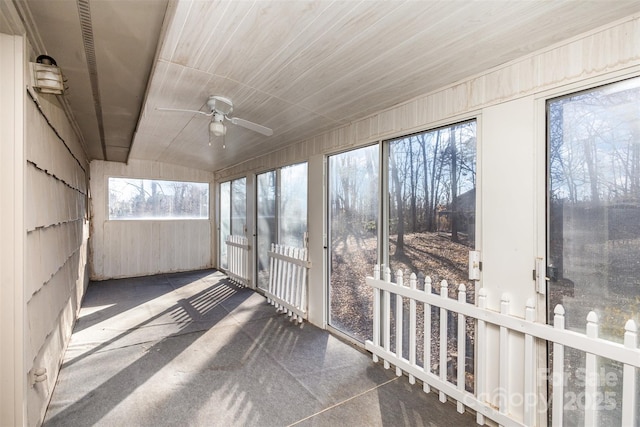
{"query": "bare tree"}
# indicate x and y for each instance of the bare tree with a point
(399, 204)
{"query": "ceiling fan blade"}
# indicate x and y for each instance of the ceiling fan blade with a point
(252, 126)
(179, 110)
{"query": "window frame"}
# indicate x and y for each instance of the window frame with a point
(159, 218)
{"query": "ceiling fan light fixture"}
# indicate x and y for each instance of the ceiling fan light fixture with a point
(217, 128)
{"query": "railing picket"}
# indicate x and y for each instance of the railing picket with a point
(399, 321)
(288, 283)
(481, 354)
(426, 359)
(629, 387)
(558, 371)
(443, 339)
(529, 368)
(386, 326)
(281, 276)
(237, 257)
(504, 358)
(376, 311)
(462, 336)
(507, 324)
(303, 284)
(591, 378)
(412, 327)
(272, 278)
(293, 292)
(287, 289)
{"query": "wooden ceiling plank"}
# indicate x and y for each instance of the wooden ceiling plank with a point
(317, 57)
(179, 14)
(266, 32)
(214, 38)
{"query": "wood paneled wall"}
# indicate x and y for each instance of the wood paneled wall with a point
(142, 247)
(614, 47)
(57, 232)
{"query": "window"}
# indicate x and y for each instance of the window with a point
(148, 199)
(432, 202)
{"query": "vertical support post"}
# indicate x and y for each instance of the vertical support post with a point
(629, 390)
(558, 371)
(386, 312)
(412, 328)
(591, 383)
(481, 354)
(13, 381)
(529, 368)
(426, 358)
(443, 339)
(462, 345)
(504, 359)
(376, 311)
(399, 320)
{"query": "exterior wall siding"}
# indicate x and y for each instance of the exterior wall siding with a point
(129, 248)
(57, 233)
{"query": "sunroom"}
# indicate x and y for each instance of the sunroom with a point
(447, 192)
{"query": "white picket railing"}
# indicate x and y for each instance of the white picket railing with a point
(287, 289)
(486, 404)
(238, 259)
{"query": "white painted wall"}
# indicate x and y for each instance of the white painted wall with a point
(143, 247)
(508, 102)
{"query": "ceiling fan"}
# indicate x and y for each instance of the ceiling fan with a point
(221, 108)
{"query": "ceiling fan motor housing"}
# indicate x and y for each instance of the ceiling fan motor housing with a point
(220, 104)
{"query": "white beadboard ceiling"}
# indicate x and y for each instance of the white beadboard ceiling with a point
(302, 67)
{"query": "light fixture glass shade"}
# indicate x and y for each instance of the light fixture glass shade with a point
(47, 78)
(217, 128)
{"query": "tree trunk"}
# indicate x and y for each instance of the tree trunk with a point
(454, 186)
(396, 183)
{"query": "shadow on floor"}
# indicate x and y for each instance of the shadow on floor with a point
(204, 352)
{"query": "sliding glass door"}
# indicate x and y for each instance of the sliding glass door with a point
(266, 230)
(281, 213)
(233, 213)
(353, 197)
(593, 233)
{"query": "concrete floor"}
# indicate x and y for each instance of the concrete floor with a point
(193, 349)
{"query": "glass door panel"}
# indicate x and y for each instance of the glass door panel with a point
(266, 224)
(432, 222)
(293, 205)
(238, 206)
(593, 241)
(353, 244)
(225, 221)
